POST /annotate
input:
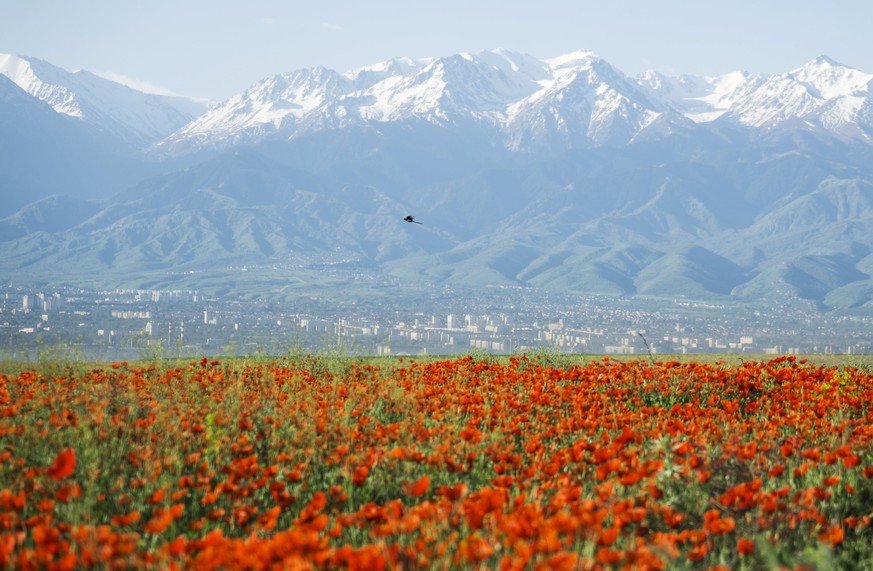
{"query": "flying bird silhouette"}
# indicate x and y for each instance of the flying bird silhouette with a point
(409, 218)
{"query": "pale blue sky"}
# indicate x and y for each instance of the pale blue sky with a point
(216, 48)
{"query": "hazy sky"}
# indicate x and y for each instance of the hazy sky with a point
(216, 48)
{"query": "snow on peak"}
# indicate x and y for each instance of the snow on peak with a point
(401, 66)
(579, 97)
(44, 81)
(573, 59)
(461, 86)
(828, 79)
(822, 94)
(111, 107)
(824, 61)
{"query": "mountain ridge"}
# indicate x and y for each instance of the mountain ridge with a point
(522, 96)
(131, 117)
(563, 174)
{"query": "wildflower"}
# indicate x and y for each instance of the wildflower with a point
(745, 546)
(698, 552)
(68, 491)
(831, 481)
(715, 524)
(359, 476)
(64, 465)
(419, 487)
(832, 536)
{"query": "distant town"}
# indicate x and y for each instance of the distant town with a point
(71, 323)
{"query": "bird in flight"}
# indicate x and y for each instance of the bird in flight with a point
(409, 218)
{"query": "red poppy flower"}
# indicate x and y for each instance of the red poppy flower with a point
(64, 465)
(419, 487)
(745, 546)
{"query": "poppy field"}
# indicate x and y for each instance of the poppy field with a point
(467, 463)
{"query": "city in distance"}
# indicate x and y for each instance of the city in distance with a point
(68, 323)
(563, 204)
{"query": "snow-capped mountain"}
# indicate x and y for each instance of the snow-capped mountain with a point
(130, 116)
(577, 99)
(585, 101)
(289, 105)
(525, 103)
(701, 99)
(822, 94)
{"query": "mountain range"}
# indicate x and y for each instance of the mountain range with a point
(564, 174)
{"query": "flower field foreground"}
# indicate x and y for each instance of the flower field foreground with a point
(457, 464)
